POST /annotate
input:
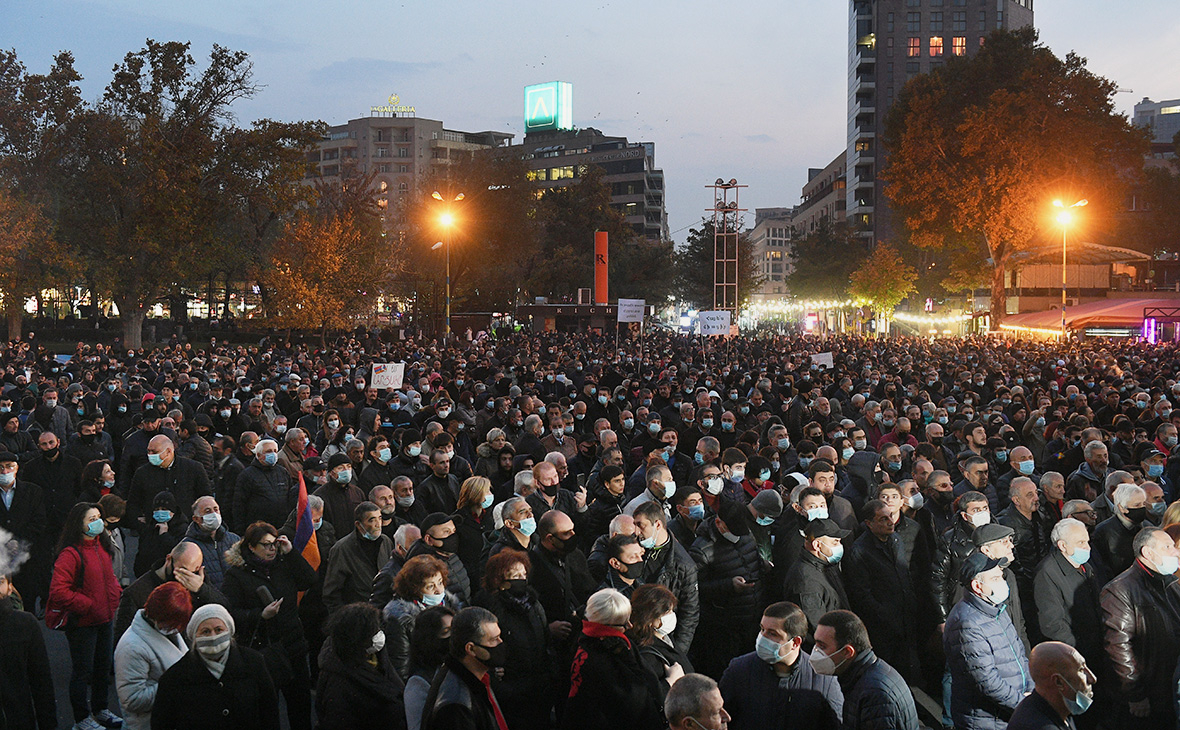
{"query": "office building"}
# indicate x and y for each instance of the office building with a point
(822, 197)
(890, 42)
(771, 239)
(1163, 119)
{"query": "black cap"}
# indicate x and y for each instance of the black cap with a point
(410, 436)
(734, 516)
(204, 420)
(7, 456)
(434, 519)
(825, 528)
(337, 459)
(977, 563)
(990, 532)
(314, 463)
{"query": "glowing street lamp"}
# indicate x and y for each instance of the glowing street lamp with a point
(446, 220)
(1065, 217)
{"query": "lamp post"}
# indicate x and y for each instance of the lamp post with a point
(1065, 217)
(447, 221)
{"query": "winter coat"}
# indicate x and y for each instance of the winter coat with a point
(352, 695)
(458, 582)
(262, 493)
(718, 562)
(135, 597)
(340, 503)
(472, 533)
(657, 657)
(1113, 545)
(757, 698)
(525, 691)
(876, 697)
(816, 587)
(1067, 606)
(457, 700)
(950, 551)
(27, 701)
(861, 469)
(400, 615)
(438, 494)
(60, 482)
(95, 602)
(185, 479)
(213, 547)
(881, 594)
(1035, 713)
(154, 547)
(349, 578)
(25, 519)
(285, 577)
(189, 697)
(609, 688)
(672, 567)
(1142, 633)
(988, 666)
(141, 658)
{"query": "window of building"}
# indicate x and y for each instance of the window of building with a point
(914, 47)
(982, 24)
(959, 20)
(959, 46)
(537, 175)
(403, 168)
(913, 3)
(959, 3)
(936, 3)
(935, 46)
(383, 168)
(913, 22)
(889, 47)
(403, 188)
(889, 22)
(936, 22)
(403, 152)
(999, 18)
(913, 67)
(561, 173)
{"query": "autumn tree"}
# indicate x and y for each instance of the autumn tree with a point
(694, 267)
(30, 256)
(884, 279)
(979, 148)
(822, 260)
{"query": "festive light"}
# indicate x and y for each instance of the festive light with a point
(1034, 330)
(930, 320)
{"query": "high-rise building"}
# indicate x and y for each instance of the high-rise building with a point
(889, 42)
(822, 197)
(1163, 119)
(771, 239)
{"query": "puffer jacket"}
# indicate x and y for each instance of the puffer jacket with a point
(876, 697)
(672, 567)
(953, 548)
(98, 598)
(262, 493)
(719, 561)
(816, 587)
(1142, 632)
(880, 592)
(756, 697)
(526, 688)
(1114, 551)
(141, 659)
(285, 577)
(400, 616)
(861, 468)
(989, 669)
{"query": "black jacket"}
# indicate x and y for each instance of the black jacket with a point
(1030, 543)
(672, 567)
(757, 698)
(1142, 633)
(1067, 606)
(134, 597)
(190, 698)
(224, 484)
(60, 481)
(185, 478)
(458, 701)
(1113, 546)
(876, 697)
(473, 532)
(525, 692)
(1034, 713)
(438, 494)
(284, 578)
(718, 562)
(816, 587)
(880, 593)
(26, 518)
(340, 503)
(262, 493)
(351, 567)
(154, 546)
(351, 696)
(609, 687)
(952, 549)
(27, 701)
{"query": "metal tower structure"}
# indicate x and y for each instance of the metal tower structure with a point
(726, 226)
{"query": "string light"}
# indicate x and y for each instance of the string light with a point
(930, 320)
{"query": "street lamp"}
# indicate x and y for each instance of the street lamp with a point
(446, 219)
(1065, 217)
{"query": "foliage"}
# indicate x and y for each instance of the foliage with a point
(883, 278)
(823, 260)
(979, 148)
(694, 267)
(30, 256)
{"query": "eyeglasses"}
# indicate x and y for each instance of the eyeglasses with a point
(272, 545)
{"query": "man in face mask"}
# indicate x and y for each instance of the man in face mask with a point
(356, 558)
(953, 547)
(465, 697)
(209, 532)
(340, 494)
(624, 564)
(1141, 625)
(875, 695)
(985, 657)
(165, 471)
(660, 488)
(1063, 688)
(1113, 538)
(815, 583)
(560, 576)
(440, 540)
(185, 565)
(761, 689)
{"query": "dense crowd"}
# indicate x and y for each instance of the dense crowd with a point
(555, 531)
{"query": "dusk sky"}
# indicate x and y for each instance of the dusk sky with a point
(754, 90)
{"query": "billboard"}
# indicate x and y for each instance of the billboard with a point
(548, 106)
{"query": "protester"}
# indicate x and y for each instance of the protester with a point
(461, 696)
(27, 701)
(151, 645)
(429, 645)
(695, 704)
(1063, 688)
(358, 686)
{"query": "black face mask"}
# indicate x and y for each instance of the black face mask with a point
(450, 543)
(564, 547)
(50, 453)
(518, 587)
(936, 440)
(631, 571)
(1137, 514)
(550, 490)
(943, 498)
(497, 655)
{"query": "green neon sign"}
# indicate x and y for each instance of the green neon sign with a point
(549, 106)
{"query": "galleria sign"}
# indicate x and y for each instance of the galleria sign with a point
(392, 106)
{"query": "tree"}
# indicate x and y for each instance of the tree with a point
(694, 267)
(884, 279)
(978, 149)
(822, 261)
(30, 256)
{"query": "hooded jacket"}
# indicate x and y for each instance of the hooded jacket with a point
(141, 658)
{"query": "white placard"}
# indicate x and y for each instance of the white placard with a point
(715, 323)
(823, 360)
(387, 375)
(631, 310)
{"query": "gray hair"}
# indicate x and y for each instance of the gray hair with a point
(314, 502)
(401, 536)
(1059, 530)
(1049, 477)
(1072, 506)
(523, 480)
(1116, 478)
(602, 435)
(511, 505)
(1124, 493)
(263, 442)
(608, 607)
(292, 435)
(1092, 448)
(532, 422)
(686, 697)
(555, 458)
(353, 443)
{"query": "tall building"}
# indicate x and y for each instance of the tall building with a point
(771, 239)
(822, 197)
(889, 42)
(557, 154)
(1163, 119)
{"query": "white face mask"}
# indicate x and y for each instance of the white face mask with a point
(667, 624)
(999, 593)
(378, 643)
(822, 663)
(979, 519)
(714, 485)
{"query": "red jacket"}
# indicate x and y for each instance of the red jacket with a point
(98, 599)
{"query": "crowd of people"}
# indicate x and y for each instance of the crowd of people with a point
(559, 531)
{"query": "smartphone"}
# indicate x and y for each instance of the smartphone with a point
(265, 595)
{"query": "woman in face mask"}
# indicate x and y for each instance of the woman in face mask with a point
(429, 645)
(526, 684)
(357, 685)
(473, 523)
(151, 645)
(217, 685)
(262, 588)
(83, 597)
(420, 584)
(330, 428)
(653, 621)
(165, 527)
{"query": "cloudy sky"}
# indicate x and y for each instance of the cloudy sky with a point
(754, 90)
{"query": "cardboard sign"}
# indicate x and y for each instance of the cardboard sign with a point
(631, 310)
(387, 375)
(715, 323)
(822, 359)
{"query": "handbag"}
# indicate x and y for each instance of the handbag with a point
(57, 616)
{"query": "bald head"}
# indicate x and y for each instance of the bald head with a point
(1053, 657)
(187, 556)
(160, 451)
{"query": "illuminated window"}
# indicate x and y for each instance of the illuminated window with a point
(959, 46)
(561, 173)
(935, 46)
(914, 49)
(537, 175)
(1170, 110)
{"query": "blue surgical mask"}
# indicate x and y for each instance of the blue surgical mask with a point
(696, 512)
(784, 443)
(432, 599)
(767, 650)
(161, 515)
(270, 458)
(1001, 456)
(155, 459)
(764, 475)
(837, 553)
(528, 526)
(847, 452)
(647, 543)
(805, 461)
(487, 501)
(817, 513)
(764, 521)
(94, 528)
(893, 465)
(414, 450)
(653, 427)
(698, 458)
(317, 524)
(1157, 508)
(628, 423)
(1081, 556)
(1026, 467)
(1155, 470)
(385, 454)
(1079, 703)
